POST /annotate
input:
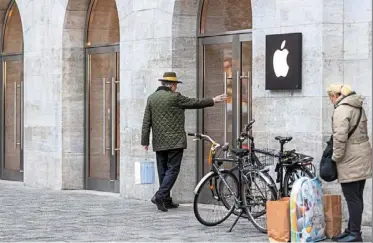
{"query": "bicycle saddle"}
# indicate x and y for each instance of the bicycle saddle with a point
(240, 152)
(283, 139)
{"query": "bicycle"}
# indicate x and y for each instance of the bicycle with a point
(258, 169)
(289, 162)
(211, 180)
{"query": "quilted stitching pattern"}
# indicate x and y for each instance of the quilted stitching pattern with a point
(165, 115)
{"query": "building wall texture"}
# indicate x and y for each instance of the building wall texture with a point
(160, 35)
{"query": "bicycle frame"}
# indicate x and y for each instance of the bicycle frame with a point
(215, 165)
(283, 165)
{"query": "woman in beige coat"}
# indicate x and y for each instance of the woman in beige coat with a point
(353, 155)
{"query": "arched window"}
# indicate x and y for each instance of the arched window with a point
(13, 34)
(103, 110)
(12, 83)
(103, 24)
(219, 16)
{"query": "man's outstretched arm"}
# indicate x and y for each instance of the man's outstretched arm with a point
(196, 103)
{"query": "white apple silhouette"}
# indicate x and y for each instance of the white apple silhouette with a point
(280, 65)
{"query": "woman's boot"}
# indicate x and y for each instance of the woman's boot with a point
(352, 237)
(340, 236)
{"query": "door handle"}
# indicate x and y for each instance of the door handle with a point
(239, 77)
(225, 110)
(15, 115)
(113, 113)
(22, 113)
(249, 97)
(104, 82)
(104, 115)
(116, 82)
(238, 120)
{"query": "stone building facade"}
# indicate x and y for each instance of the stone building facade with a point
(76, 75)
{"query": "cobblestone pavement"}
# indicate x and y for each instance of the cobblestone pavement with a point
(29, 214)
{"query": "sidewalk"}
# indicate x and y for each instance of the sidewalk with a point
(29, 214)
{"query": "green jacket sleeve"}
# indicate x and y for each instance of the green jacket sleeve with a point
(193, 103)
(341, 126)
(146, 125)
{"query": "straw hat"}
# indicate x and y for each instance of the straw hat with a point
(170, 77)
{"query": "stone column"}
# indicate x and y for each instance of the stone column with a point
(42, 30)
(73, 84)
(347, 58)
(145, 53)
(336, 49)
(184, 62)
(54, 94)
(289, 113)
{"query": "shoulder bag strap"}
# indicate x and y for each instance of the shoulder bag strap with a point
(357, 124)
(358, 121)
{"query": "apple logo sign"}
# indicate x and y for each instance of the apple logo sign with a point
(280, 64)
(283, 68)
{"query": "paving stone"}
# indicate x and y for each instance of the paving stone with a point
(29, 214)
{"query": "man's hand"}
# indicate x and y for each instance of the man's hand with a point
(220, 98)
(146, 148)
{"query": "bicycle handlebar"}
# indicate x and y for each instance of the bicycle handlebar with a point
(203, 136)
(249, 126)
(244, 134)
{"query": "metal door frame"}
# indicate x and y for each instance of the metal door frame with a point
(6, 174)
(235, 39)
(113, 184)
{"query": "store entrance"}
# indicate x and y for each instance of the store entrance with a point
(225, 68)
(12, 94)
(103, 118)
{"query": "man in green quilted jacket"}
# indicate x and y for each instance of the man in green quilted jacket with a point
(165, 115)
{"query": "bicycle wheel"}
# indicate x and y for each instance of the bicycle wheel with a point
(208, 200)
(256, 192)
(236, 211)
(226, 203)
(292, 175)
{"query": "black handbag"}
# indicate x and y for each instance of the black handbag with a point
(328, 167)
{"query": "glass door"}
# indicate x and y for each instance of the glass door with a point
(225, 67)
(103, 119)
(217, 59)
(12, 166)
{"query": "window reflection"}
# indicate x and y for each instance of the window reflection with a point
(246, 68)
(225, 15)
(218, 61)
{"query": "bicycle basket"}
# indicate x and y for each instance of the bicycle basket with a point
(264, 158)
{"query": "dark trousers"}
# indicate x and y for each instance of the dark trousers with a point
(353, 192)
(168, 164)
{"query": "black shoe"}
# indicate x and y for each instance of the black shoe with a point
(171, 205)
(352, 237)
(160, 205)
(340, 236)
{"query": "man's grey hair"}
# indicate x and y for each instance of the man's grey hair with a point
(167, 84)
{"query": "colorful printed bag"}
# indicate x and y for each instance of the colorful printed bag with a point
(307, 223)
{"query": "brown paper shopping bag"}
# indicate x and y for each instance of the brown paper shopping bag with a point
(278, 220)
(333, 214)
